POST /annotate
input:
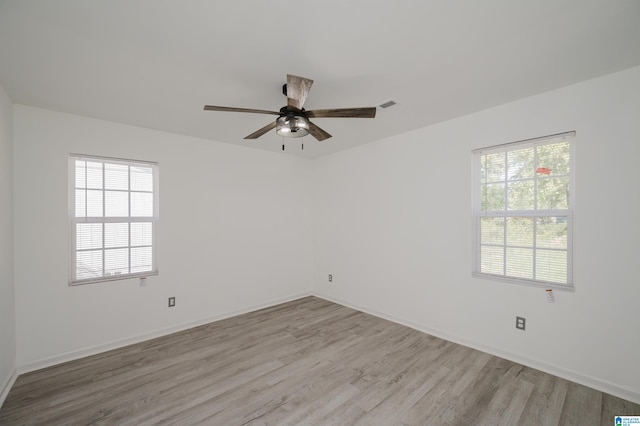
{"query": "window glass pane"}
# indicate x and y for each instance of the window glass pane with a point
(553, 159)
(80, 207)
(141, 259)
(94, 203)
(553, 193)
(116, 262)
(519, 262)
(116, 235)
(88, 236)
(521, 164)
(492, 260)
(551, 265)
(88, 264)
(80, 174)
(520, 231)
(141, 204)
(141, 234)
(521, 195)
(94, 175)
(492, 197)
(551, 232)
(494, 167)
(116, 176)
(116, 203)
(483, 170)
(141, 179)
(492, 230)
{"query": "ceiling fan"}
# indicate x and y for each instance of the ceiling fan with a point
(293, 119)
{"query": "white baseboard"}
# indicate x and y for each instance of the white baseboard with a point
(592, 382)
(7, 384)
(93, 350)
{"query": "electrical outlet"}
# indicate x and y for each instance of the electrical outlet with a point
(520, 323)
(330, 278)
(172, 302)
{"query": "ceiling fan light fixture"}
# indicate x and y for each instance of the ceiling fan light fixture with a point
(292, 126)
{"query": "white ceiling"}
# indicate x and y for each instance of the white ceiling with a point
(156, 63)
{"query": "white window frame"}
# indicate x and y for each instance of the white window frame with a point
(73, 220)
(478, 214)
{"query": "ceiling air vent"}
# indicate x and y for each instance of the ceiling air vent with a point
(388, 104)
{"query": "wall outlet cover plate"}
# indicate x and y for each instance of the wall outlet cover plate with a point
(520, 323)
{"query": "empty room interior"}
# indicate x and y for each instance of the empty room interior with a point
(329, 212)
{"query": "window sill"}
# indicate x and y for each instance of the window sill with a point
(113, 278)
(523, 281)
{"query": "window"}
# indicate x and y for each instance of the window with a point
(522, 211)
(114, 211)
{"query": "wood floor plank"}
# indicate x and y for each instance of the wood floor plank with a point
(509, 400)
(613, 407)
(544, 407)
(398, 401)
(582, 405)
(305, 362)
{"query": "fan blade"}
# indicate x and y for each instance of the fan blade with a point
(232, 109)
(297, 90)
(265, 129)
(318, 133)
(342, 112)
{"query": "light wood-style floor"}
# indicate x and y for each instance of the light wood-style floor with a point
(309, 362)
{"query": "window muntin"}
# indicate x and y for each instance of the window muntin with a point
(113, 210)
(522, 209)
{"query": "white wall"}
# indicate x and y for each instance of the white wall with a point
(235, 233)
(393, 226)
(7, 305)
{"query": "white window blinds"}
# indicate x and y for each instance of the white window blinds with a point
(522, 211)
(114, 213)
